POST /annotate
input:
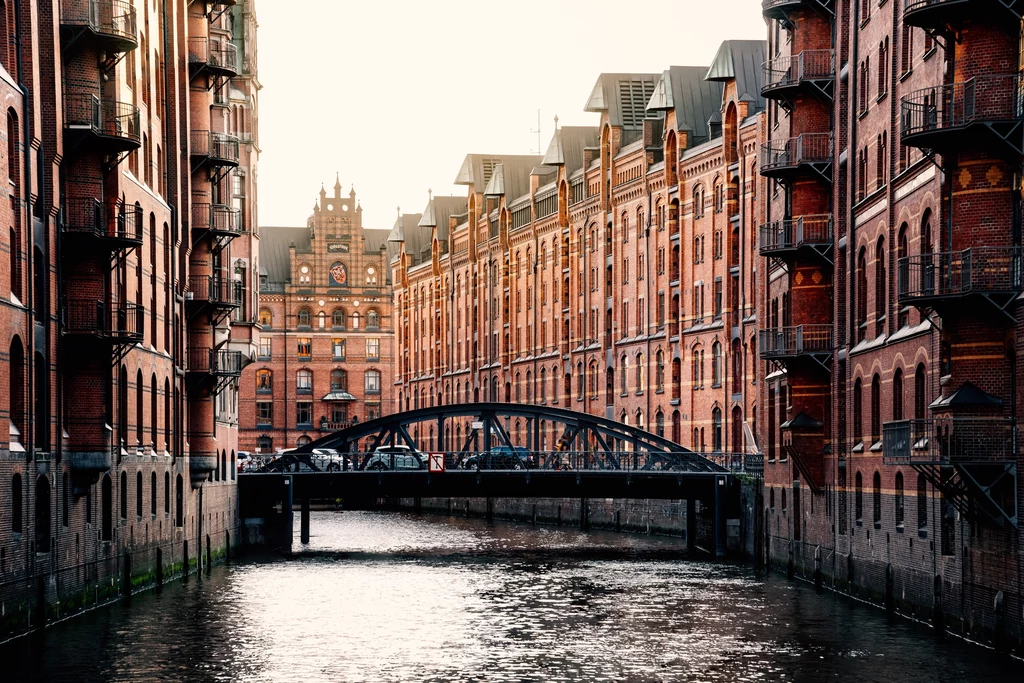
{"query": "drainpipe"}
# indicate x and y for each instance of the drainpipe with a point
(172, 195)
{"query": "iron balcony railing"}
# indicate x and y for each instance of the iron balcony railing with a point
(110, 18)
(215, 290)
(106, 118)
(949, 13)
(202, 360)
(809, 148)
(978, 270)
(790, 234)
(110, 220)
(982, 99)
(217, 218)
(787, 71)
(221, 55)
(798, 340)
(220, 147)
(120, 323)
(948, 440)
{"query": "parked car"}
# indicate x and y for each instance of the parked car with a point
(500, 458)
(328, 460)
(395, 458)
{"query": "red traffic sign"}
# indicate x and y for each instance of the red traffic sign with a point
(435, 462)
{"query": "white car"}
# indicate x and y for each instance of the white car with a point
(395, 458)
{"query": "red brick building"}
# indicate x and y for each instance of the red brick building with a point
(889, 314)
(613, 275)
(326, 347)
(126, 251)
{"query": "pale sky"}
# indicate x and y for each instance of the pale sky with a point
(392, 95)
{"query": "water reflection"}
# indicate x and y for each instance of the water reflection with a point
(393, 597)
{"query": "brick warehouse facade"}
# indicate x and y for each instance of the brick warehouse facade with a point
(132, 156)
(614, 275)
(326, 350)
(890, 325)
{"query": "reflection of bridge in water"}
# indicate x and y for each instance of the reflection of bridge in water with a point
(592, 457)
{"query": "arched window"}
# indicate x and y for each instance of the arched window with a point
(305, 274)
(167, 415)
(138, 494)
(153, 412)
(139, 389)
(338, 318)
(107, 506)
(124, 495)
(371, 276)
(858, 500)
(264, 381)
(659, 376)
(543, 384)
(920, 400)
(881, 308)
(305, 317)
(339, 380)
(624, 367)
(898, 502)
(16, 503)
(783, 500)
(15, 263)
(698, 201)
(372, 319)
(167, 493)
(897, 394)
(179, 502)
(373, 381)
(234, 466)
(304, 381)
(264, 444)
(16, 388)
(716, 364)
(581, 380)
(858, 433)
(640, 372)
(266, 318)
(876, 409)
(321, 320)
(716, 434)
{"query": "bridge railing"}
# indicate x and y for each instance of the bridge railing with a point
(501, 458)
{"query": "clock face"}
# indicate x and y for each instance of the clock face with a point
(339, 274)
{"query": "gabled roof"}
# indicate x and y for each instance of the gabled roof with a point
(624, 97)
(741, 60)
(511, 176)
(437, 213)
(694, 99)
(274, 243)
(477, 169)
(406, 229)
(567, 145)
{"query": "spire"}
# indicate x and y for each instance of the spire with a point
(556, 123)
(352, 192)
(337, 185)
(323, 194)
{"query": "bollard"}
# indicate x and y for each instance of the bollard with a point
(304, 522)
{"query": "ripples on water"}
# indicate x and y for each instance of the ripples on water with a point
(396, 597)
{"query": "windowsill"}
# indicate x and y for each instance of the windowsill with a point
(305, 357)
(929, 53)
(862, 113)
(876, 447)
(899, 528)
(860, 522)
(338, 359)
(303, 392)
(906, 74)
(264, 425)
(263, 358)
(878, 525)
(922, 533)
(303, 425)
(264, 392)
(881, 97)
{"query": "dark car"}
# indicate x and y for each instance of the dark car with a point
(500, 458)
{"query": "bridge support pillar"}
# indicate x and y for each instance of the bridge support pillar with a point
(584, 514)
(490, 510)
(304, 522)
(720, 516)
(287, 517)
(691, 525)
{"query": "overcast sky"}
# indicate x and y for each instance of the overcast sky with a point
(392, 95)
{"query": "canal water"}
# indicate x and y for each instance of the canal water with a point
(400, 597)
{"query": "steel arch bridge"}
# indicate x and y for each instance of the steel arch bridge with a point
(600, 443)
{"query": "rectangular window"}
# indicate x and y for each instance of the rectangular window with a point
(265, 347)
(373, 348)
(373, 382)
(304, 413)
(338, 349)
(264, 413)
(339, 414)
(305, 347)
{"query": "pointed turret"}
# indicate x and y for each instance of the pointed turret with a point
(337, 185)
